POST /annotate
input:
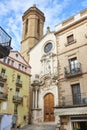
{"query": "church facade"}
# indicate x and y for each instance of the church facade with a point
(44, 79)
(41, 53)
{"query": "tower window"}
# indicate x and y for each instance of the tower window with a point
(26, 26)
(38, 26)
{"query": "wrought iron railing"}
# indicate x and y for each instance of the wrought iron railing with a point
(3, 76)
(17, 99)
(5, 39)
(18, 83)
(74, 70)
(3, 96)
(5, 43)
(74, 100)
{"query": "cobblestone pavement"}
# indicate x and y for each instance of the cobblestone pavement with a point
(39, 127)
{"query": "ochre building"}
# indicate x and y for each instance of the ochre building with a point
(15, 89)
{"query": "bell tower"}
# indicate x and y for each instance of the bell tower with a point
(32, 31)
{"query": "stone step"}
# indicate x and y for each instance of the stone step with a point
(40, 127)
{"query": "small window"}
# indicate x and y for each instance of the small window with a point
(19, 66)
(16, 55)
(17, 93)
(4, 59)
(25, 68)
(1, 87)
(18, 77)
(8, 61)
(15, 109)
(70, 38)
(22, 67)
(3, 72)
(12, 62)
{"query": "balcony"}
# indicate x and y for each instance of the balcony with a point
(5, 43)
(73, 71)
(74, 101)
(3, 77)
(17, 99)
(3, 96)
(18, 83)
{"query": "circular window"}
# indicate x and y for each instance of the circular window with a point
(48, 47)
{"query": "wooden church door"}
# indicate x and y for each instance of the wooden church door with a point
(49, 108)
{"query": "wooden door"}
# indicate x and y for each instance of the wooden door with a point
(48, 108)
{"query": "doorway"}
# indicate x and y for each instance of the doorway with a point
(49, 107)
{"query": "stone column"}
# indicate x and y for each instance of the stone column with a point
(36, 99)
(33, 100)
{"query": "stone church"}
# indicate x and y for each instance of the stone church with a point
(59, 69)
(40, 51)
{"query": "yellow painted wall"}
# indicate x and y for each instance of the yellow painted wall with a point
(10, 86)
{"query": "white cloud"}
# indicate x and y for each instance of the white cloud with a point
(3, 9)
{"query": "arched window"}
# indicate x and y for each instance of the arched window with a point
(26, 26)
(38, 26)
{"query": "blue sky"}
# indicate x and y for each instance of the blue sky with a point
(55, 11)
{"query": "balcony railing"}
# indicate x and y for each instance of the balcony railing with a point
(17, 99)
(72, 101)
(5, 43)
(3, 96)
(18, 83)
(73, 71)
(3, 77)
